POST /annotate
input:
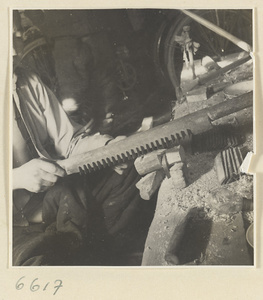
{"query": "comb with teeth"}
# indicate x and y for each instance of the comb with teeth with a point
(173, 133)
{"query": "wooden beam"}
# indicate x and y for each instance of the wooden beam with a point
(241, 44)
(202, 79)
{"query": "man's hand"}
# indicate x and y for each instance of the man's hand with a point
(37, 175)
(121, 167)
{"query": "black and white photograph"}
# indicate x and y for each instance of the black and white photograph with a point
(132, 133)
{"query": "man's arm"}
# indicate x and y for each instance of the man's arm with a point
(36, 176)
(44, 117)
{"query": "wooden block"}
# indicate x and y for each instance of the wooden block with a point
(149, 162)
(227, 165)
(154, 161)
(177, 173)
(209, 63)
(177, 178)
(177, 166)
(220, 171)
(179, 184)
(196, 95)
(149, 184)
(174, 155)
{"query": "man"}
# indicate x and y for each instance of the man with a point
(55, 216)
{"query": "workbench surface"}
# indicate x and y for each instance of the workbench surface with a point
(208, 239)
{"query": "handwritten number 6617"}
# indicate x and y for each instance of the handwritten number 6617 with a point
(35, 287)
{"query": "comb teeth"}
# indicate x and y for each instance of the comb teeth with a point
(153, 146)
(165, 142)
(81, 171)
(133, 154)
(215, 140)
(158, 145)
(104, 163)
(119, 159)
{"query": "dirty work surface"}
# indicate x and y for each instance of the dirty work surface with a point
(208, 239)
